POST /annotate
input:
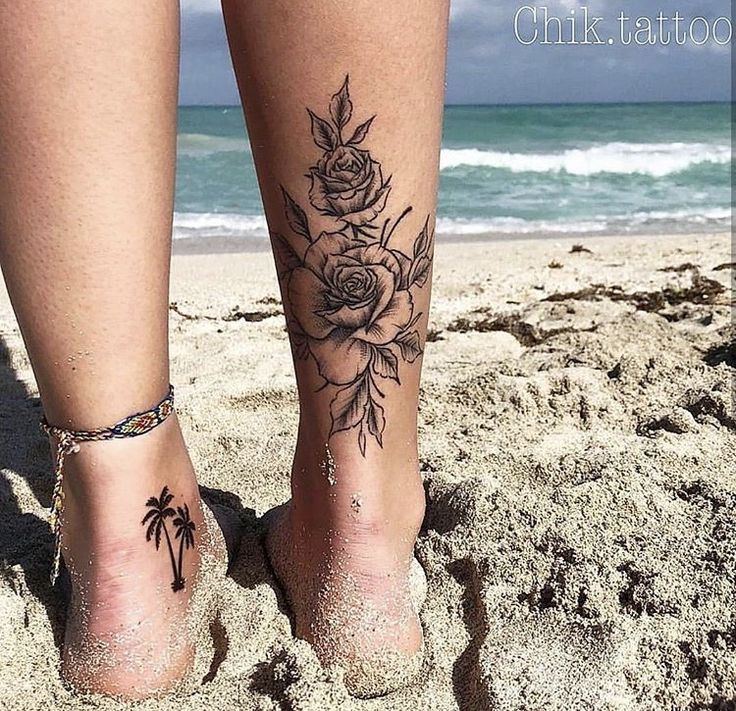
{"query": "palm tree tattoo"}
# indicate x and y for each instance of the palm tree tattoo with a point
(155, 520)
(351, 306)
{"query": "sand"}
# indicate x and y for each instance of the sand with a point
(578, 444)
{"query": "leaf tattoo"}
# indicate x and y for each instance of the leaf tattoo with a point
(421, 246)
(350, 294)
(341, 108)
(409, 344)
(361, 133)
(295, 216)
(324, 135)
(349, 405)
(385, 363)
(286, 256)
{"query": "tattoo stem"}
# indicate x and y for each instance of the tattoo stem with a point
(385, 227)
(171, 553)
(179, 576)
(384, 242)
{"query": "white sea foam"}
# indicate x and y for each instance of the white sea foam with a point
(235, 225)
(714, 216)
(212, 224)
(675, 220)
(513, 225)
(200, 144)
(654, 159)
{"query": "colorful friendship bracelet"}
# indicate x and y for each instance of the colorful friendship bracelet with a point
(68, 443)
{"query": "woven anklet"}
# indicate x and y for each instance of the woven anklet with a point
(68, 443)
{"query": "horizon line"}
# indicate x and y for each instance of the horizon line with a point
(521, 104)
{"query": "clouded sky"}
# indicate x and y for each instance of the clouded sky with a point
(488, 64)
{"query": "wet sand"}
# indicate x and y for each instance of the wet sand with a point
(578, 445)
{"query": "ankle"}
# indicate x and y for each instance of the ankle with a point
(100, 472)
(107, 485)
(371, 498)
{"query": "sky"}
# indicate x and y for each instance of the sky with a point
(488, 64)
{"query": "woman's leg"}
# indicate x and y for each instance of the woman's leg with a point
(343, 103)
(87, 138)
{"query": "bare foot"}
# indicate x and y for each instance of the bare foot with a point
(343, 554)
(136, 544)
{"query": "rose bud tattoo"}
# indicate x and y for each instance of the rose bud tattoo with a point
(348, 183)
(350, 293)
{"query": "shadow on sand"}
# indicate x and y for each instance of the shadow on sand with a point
(25, 538)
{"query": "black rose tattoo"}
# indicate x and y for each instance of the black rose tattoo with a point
(350, 293)
(347, 183)
(351, 301)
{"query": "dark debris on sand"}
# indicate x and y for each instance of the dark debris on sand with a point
(701, 291)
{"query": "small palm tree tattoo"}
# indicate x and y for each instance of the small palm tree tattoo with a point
(185, 533)
(155, 520)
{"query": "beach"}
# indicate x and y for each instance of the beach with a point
(578, 449)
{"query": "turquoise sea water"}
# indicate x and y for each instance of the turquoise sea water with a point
(507, 169)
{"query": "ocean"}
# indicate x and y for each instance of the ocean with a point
(612, 168)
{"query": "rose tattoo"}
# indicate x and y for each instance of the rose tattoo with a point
(348, 183)
(352, 301)
(350, 294)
